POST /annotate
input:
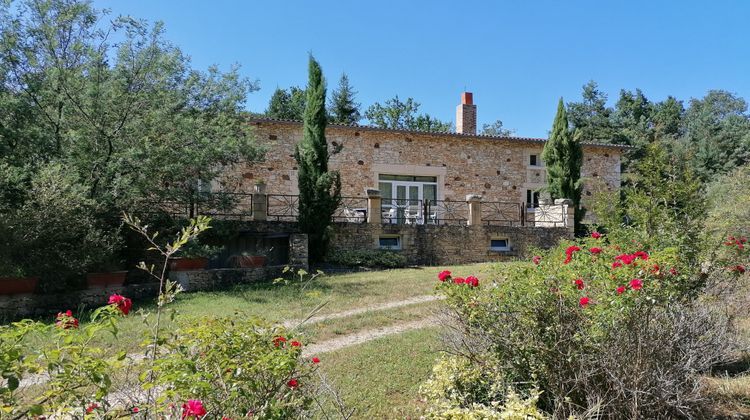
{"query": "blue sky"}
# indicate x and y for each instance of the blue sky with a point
(517, 57)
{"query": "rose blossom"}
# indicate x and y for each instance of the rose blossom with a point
(65, 320)
(315, 360)
(596, 235)
(569, 253)
(123, 304)
(193, 408)
(537, 259)
(293, 383)
(444, 275)
(620, 290)
(595, 250)
(472, 281)
(636, 284)
(584, 301)
(459, 280)
(579, 284)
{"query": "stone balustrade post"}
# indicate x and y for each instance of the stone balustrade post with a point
(474, 218)
(260, 203)
(374, 200)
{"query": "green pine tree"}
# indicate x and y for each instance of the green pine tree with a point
(563, 156)
(319, 189)
(343, 109)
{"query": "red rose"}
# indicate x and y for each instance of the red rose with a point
(616, 264)
(595, 250)
(278, 341)
(641, 254)
(459, 280)
(621, 290)
(636, 284)
(293, 383)
(537, 259)
(444, 275)
(315, 360)
(584, 301)
(123, 304)
(193, 408)
(65, 320)
(739, 269)
(136, 409)
(296, 344)
(579, 284)
(673, 271)
(596, 235)
(91, 408)
(472, 281)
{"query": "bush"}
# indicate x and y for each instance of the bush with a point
(599, 327)
(367, 258)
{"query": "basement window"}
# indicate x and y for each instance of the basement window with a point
(501, 244)
(389, 242)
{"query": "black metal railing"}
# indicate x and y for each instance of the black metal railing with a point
(282, 207)
(220, 205)
(402, 211)
(352, 210)
(446, 212)
(502, 213)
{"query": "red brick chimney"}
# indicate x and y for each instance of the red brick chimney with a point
(466, 115)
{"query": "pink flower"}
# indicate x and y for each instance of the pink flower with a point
(459, 280)
(579, 284)
(537, 259)
(596, 235)
(293, 383)
(472, 281)
(193, 408)
(444, 275)
(65, 320)
(595, 250)
(315, 360)
(584, 301)
(569, 253)
(621, 290)
(636, 284)
(123, 304)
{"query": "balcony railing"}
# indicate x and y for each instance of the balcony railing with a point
(220, 205)
(502, 213)
(446, 212)
(351, 210)
(282, 207)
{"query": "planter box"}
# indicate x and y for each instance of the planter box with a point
(18, 285)
(188, 264)
(116, 278)
(251, 261)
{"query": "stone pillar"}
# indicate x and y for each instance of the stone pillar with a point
(474, 218)
(298, 250)
(260, 205)
(374, 213)
(568, 213)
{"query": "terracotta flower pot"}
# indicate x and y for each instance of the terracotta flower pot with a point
(18, 285)
(188, 264)
(251, 261)
(116, 278)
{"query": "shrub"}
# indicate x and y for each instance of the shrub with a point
(600, 326)
(367, 258)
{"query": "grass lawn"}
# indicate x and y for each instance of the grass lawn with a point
(381, 378)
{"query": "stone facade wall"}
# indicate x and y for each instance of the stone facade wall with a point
(448, 244)
(496, 168)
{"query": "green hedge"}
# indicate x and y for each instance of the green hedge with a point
(367, 258)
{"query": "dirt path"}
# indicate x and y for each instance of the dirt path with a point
(365, 336)
(379, 307)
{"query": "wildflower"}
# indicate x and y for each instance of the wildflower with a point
(636, 284)
(65, 320)
(123, 304)
(293, 383)
(444, 275)
(193, 408)
(537, 259)
(569, 253)
(279, 341)
(620, 290)
(595, 250)
(296, 344)
(584, 301)
(472, 281)
(596, 235)
(315, 360)
(579, 284)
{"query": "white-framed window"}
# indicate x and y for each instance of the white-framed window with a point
(500, 244)
(389, 242)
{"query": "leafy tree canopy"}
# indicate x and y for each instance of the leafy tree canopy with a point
(398, 114)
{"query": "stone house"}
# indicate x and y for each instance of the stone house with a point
(415, 165)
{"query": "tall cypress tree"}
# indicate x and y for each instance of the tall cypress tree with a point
(563, 156)
(319, 189)
(343, 109)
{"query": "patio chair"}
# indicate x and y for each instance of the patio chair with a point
(389, 215)
(354, 216)
(412, 215)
